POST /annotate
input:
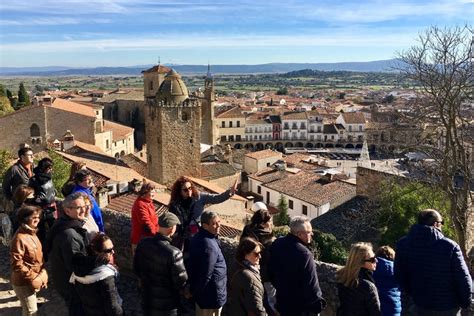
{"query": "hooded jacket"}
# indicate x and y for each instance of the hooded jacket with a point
(432, 270)
(387, 286)
(42, 183)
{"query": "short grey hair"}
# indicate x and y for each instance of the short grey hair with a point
(297, 224)
(71, 198)
(207, 216)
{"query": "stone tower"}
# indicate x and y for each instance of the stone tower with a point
(173, 125)
(209, 127)
(152, 79)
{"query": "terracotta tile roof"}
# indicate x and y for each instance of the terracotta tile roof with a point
(124, 202)
(87, 147)
(302, 161)
(119, 131)
(294, 116)
(235, 112)
(348, 221)
(214, 188)
(304, 186)
(157, 68)
(215, 170)
(133, 95)
(136, 164)
(353, 118)
(108, 167)
(73, 107)
(262, 154)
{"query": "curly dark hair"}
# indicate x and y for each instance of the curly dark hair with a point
(178, 185)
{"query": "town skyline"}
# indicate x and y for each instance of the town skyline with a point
(128, 33)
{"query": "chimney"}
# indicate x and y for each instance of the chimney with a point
(68, 140)
(103, 197)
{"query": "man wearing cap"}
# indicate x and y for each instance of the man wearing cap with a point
(160, 268)
(431, 269)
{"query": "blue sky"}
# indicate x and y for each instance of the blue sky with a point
(136, 32)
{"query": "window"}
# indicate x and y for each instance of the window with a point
(34, 130)
(294, 126)
(238, 123)
(303, 126)
(287, 126)
(350, 128)
(223, 124)
(360, 128)
(223, 138)
(319, 129)
(268, 197)
(230, 124)
(151, 85)
(231, 138)
(304, 210)
(238, 138)
(290, 204)
(259, 189)
(107, 144)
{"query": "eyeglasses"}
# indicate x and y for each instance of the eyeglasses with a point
(187, 189)
(110, 250)
(76, 208)
(371, 260)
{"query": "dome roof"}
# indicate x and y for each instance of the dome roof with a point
(173, 89)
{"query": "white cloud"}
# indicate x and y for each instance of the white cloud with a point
(53, 21)
(191, 41)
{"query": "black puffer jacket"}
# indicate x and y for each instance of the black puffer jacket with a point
(42, 183)
(362, 300)
(96, 288)
(160, 267)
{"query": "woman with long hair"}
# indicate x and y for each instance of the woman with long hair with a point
(26, 258)
(357, 291)
(260, 229)
(188, 204)
(95, 278)
(144, 219)
(387, 285)
(69, 185)
(246, 288)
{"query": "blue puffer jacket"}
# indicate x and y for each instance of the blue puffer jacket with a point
(207, 271)
(387, 286)
(432, 270)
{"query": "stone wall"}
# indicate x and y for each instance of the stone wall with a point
(117, 226)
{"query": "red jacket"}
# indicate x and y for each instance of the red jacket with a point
(144, 220)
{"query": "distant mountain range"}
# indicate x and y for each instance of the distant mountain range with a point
(370, 66)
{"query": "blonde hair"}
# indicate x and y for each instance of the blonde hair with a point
(349, 274)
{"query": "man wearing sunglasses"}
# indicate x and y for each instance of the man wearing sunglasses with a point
(431, 268)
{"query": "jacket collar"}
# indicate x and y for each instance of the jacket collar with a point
(161, 237)
(27, 229)
(207, 234)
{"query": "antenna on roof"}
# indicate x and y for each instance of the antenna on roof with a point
(159, 60)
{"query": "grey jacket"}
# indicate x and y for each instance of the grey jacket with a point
(246, 293)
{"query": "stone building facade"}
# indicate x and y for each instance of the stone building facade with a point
(209, 129)
(173, 131)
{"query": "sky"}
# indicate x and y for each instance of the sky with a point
(96, 33)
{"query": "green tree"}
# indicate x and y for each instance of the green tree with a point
(23, 97)
(3, 91)
(400, 205)
(282, 218)
(328, 248)
(282, 91)
(5, 106)
(60, 172)
(12, 99)
(442, 64)
(6, 158)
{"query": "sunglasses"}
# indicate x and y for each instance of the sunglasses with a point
(441, 222)
(110, 250)
(257, 253)
(187, 189)
(371, 260)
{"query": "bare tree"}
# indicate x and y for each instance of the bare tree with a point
(442, 66)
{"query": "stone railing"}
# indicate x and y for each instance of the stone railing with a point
(117, 226)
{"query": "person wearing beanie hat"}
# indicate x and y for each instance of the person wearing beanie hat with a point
(160, 268)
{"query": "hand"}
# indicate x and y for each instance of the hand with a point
(233, 189)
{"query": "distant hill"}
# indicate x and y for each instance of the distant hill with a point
(371, 66)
